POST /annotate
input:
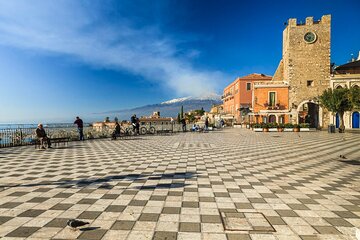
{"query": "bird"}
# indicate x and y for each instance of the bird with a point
(74, 223)
(342, 156)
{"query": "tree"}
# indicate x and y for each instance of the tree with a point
(200, 112)
(355, 96)
(338, 101)
(116, 119)
(178, 118)
(190, 117)
(182, 111)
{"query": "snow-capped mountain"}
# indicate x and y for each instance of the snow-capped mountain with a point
(176, 100)
(210, 97)
(169, 108)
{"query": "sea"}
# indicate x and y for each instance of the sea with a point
(9, 131)
(46, 125)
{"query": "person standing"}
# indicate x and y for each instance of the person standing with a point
(80, 126)
(116, 131)
(183, 121)
(133, 122)
(41, 134)
(206, 123)
(137, 126)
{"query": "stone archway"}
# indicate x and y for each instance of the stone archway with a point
(272, 119)
(310, 112)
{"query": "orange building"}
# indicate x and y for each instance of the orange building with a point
(238, 94)
(270, 102)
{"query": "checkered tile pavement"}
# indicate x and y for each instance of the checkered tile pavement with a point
(185, 186)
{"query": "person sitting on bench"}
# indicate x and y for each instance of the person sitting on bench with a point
(116, 131)
(41, 134)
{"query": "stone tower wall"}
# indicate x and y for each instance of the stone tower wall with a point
(306, 61)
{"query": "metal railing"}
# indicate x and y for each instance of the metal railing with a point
(22, 136)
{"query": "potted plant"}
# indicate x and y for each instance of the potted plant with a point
(304, 127)
(289, 127)
(273, 127)
(265, 127)
(257, 127)
(281, 127)
(296, 128)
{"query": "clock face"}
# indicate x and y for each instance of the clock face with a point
(310, 37)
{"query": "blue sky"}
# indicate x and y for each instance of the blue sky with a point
(60, 59)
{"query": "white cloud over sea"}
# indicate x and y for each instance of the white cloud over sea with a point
(79, 29)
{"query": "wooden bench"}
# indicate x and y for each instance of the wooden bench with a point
(54, 141)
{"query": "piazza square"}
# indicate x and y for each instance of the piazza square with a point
(231, 184)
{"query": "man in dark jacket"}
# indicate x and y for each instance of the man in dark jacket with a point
(116, 131)
(80, 126)
(41, 134)
(206, 124)
(135, 123)
(183, 121)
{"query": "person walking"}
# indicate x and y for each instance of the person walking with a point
(41, 134)
(80, 126)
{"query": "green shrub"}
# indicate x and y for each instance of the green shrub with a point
(289, 125)
(304, 125)
(281, 125)
(256, 125)
(273, 125)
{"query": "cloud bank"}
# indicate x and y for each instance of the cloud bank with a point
(79, 29)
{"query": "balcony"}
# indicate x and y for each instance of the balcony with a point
(277, 106)
(227, 95)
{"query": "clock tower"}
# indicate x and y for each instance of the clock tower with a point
(305, 65)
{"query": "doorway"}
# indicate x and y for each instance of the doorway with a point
(355, 120)
(309, 113)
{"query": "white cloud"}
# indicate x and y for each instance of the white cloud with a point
(72, 28)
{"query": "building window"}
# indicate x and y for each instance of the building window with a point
(272, 119)
(309, 83)
(264, 120)
(282, 119)
(272, 99)
(248, 86)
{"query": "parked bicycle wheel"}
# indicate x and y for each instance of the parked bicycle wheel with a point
(122, 132)
(152, 130)
(130, 131)
(143, 130)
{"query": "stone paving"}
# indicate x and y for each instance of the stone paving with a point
(227, 185)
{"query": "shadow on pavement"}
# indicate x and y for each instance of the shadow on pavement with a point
(351, 162)
(88, 229)
(104, 182)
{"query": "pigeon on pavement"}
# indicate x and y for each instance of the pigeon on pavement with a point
(74, 223)
(342, 156)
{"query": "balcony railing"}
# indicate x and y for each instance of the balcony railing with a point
(274, 107)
